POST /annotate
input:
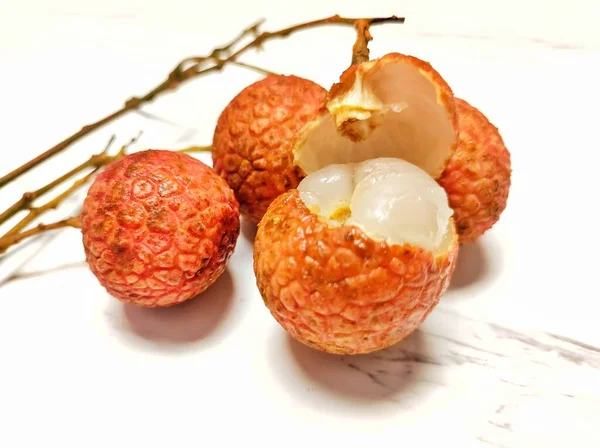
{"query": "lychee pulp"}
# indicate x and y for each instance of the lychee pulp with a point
(388, 198)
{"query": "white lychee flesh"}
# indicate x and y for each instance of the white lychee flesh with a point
(388, 198)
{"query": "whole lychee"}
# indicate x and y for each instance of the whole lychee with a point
(477, 177)
(358, 256)
(252, 144)
(158, 227)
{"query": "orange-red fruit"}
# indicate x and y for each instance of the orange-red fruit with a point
(477, 177)
(158, 227)
(337, 290)
(252, 144)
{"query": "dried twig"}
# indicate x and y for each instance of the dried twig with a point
(13, 236)
(10, 240)
(188, 69)
(50, 205)
(262, 71)
(193, 149)
(27, 199)
(216, 60)
(97, 162)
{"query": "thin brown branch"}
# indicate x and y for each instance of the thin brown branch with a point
(360, 50)
(198, 66)
(50, 205)
(96, 162)
(27, 199)
(260, 70)
(13, 236)
(333, 20)
(193, 149)
(218, 58)
(10, 240)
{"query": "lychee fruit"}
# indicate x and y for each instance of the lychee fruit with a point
(355, 258)
(252, 142)
(400, 106)
(158, 227)
(477, 177)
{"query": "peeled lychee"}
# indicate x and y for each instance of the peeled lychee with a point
(357, 257)
(400, 106)
(159, 227)
(252, 144)
(477, 177)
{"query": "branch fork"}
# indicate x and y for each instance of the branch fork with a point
(186, 70)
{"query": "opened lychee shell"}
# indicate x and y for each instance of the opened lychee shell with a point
(252, 143)
(477, 177)
(343, 287)
(395, 106)
(399, 106)
(158, 227)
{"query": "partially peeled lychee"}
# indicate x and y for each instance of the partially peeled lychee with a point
(158, 227)
(356, 258)
(399, 106)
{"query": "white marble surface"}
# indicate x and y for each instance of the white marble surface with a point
(510, 357)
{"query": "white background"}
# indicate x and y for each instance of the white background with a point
(79, 369)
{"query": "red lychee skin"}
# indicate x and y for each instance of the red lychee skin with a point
(159, 227)
(477, 176)
(337, 290)
(252, 144)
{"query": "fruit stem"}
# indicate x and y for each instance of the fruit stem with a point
(193, 149)
(360, 49)
(9, 240)
(96, 162)
(262, 71)
(187, 69)
(27, 198)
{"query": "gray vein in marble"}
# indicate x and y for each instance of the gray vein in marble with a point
(577, 358)
(506, 426)
(512, 383)
(369, 374)
(408, 356)
(575, 342)
(506, 373)
(466, 345)
(487, 442)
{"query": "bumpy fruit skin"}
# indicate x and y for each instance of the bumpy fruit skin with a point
(337, 290)
(159, 227)
(477, 177)
(252, 143)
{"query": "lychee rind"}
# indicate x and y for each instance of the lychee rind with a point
(348, 78)
(336, 289)
(394, 106)
(252, 143)
(158, 227)
(477, 177)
